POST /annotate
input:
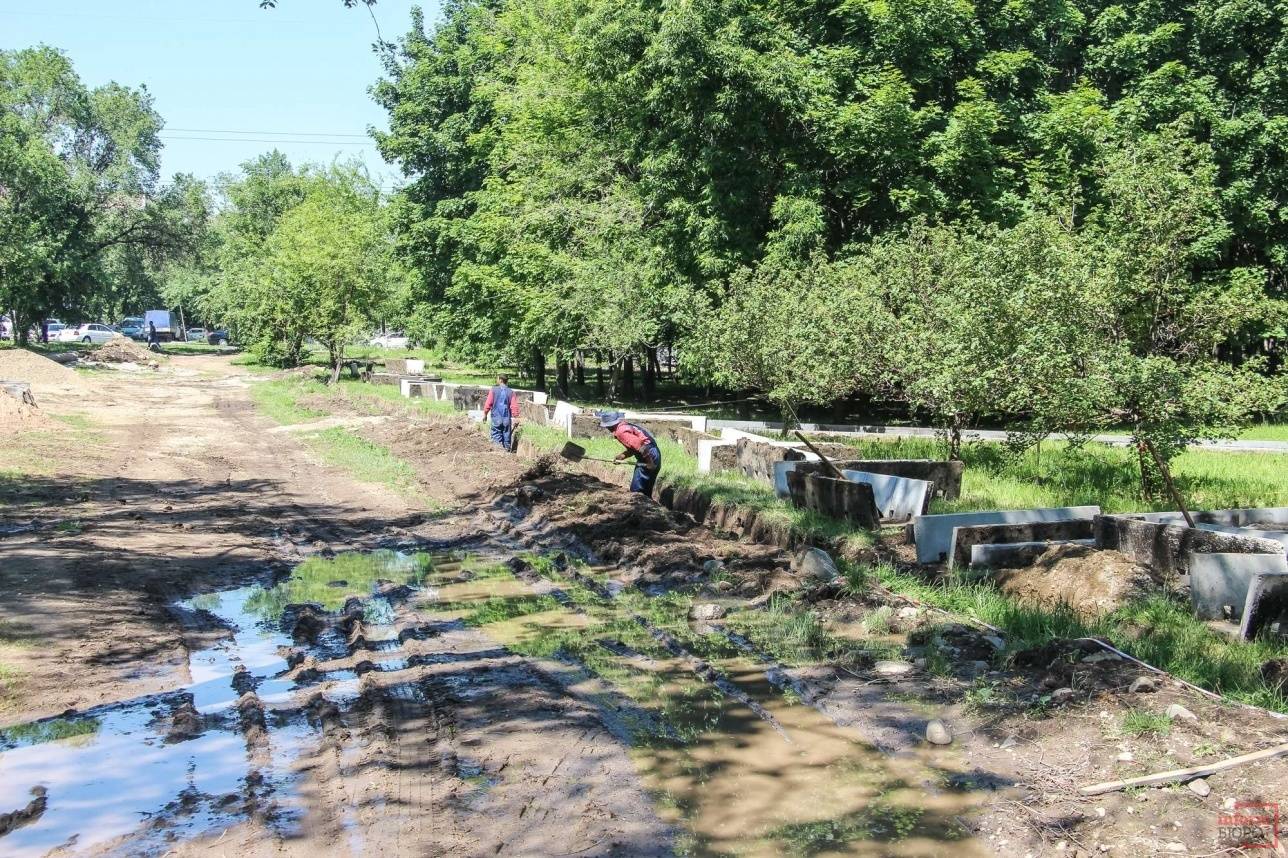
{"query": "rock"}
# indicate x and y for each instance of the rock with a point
(816, 564)
(996, 642)
(1228, 804)
(937, 733)
(1061, 696)
(1143, 685)
(908, 613)
(723, 586)
(1126, 757)
(1175, 847)
(1008, 742)
(1200, 787)
(888, 667)
(1177, 712)
(1275, 674)
(707, 611)
(713, 566)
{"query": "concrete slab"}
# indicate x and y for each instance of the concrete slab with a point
(1007, 555)
(781, 470)
(897, 498)
(1279, 536)
(1243, 517)
(1220, 581)
(415, 366)
(563, 415)
(705, 448)
(540, 397)
(696, 422)
(1266, 606)
(1040, 532)
(934, 533)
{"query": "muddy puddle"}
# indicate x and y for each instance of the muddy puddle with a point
(737, 765)
(134, 776)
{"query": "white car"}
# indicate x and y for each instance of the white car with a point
(391, 341)
(89, 333)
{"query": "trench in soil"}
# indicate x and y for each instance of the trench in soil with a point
(739, 766)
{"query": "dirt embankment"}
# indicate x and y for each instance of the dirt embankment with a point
(1088, 581)
(44, 375)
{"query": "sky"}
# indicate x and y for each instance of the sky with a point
(231, 80)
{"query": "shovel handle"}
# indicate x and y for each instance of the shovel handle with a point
(836, 473)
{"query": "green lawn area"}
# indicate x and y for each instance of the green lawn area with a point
(1265, 432)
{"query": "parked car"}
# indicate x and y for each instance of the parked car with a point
(133, 327)
(391, 340)
(218, 337)
(53, 326)
(196, 335)
(92, 332)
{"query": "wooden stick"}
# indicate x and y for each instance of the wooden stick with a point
(1186, 774)
(1167, 480)
(836, 473)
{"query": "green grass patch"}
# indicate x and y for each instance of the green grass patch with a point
(1267, 431)
(330, 581)
(1138, 723)
(281, 399)
(364, 460)
(197, 349)
(794, 635)
(360, 391)
(1158, 629)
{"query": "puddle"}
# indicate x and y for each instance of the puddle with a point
(743, 769)
(122, 774)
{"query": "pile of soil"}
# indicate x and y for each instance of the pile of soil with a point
(1088, 580)
(452, 460)
(18, 414)
(122, 350)
(44, 375)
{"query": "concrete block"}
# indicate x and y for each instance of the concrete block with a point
(1011, 555)
(414, 366)
(897, 498)
(781, 470)
(540, 397)
(396, 366)
(841, 499)
(689, 438)
(1280, 536)
(1168, 549)
(965, 539)
(1266, 606)
(1220, 581)
(947, 476)
(934, 533)
(563, 415)
(1245, 517)
(706, 448)
(405, 387)
(757, 459)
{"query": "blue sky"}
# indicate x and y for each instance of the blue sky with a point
(224, 68)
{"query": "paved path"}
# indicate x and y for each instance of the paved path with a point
(973, 435)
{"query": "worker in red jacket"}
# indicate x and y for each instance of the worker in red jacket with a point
(503, 408)
(638, 443)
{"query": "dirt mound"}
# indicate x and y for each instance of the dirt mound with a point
(453, 460)
(43, 374)
(122, 350)
(20, 413)
(1088, 580)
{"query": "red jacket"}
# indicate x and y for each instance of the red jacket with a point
(635, 439)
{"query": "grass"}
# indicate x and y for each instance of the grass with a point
(795, 636)
(197, 349)
(1266, 431)
(1157, 629)
(280, 400)
(364, 460)
(1138, 723)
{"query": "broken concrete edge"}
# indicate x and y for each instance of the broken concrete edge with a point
(1004, 555)
(1265, 604)
(966, 538)
(1167, 549)
(933, 534)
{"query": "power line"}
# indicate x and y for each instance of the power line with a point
(278, 133)
(263, 140)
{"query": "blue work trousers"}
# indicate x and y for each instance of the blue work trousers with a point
(503, 434)
(645, 476)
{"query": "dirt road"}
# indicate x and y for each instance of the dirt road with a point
(212, 643)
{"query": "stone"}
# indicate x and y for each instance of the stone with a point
(723, 586)
(1200, 787)
(897, 498)
(1143, 685)
(781, 470)
(1126, 757)
(712, 566)
(908, 613)
(816, 564)
(1062, 695)
(1274, 673)
(1177, 712)
(937, 733)
(706, 453)
(890, 667)
(995, 642)
(707, 611)
(933, 533)
(1220, 580)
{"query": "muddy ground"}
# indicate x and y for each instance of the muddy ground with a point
(150, 709)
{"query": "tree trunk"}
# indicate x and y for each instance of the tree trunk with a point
(581, 368)
(650, 373)
(561, 376)
(599, 375)
(628, 376)
(539, 369)
(337, 359)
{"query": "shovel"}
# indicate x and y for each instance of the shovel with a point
(577, 453)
